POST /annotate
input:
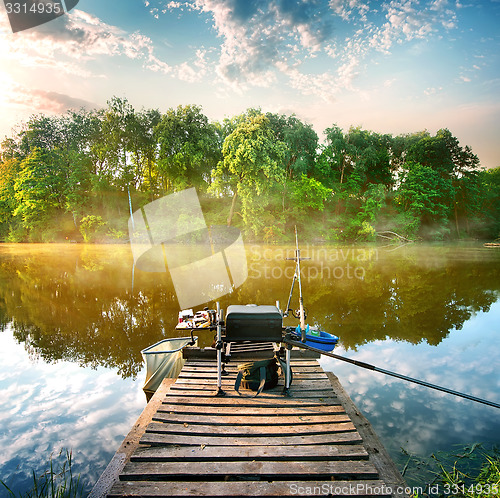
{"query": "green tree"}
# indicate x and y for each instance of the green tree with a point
(309, 193)
(188, 148)
(370, 155)
(425, 194)
(432, 152)
(336, 161)
(78, 185)
(9, 169)
(40, 132)
(90, 227)
(252, 158)
(144, 150)
(490, 206)
(39, 191)
(118, 127)
(301, 143)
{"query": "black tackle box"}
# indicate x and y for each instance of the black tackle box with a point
(253, 323)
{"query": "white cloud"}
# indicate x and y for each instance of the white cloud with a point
(73, 40)
(432, 91)
(263, 40)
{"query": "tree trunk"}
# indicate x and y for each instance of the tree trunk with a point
(231, 212)
(456, 221)
(150, 173)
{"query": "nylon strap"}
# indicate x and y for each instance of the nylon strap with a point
(239, 377)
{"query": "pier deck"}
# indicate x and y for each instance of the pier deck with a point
(197, 444)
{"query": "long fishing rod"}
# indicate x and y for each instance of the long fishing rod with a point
(296, 276)
(392, 374)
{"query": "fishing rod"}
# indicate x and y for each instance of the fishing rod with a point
(296, 277)
(362, 364)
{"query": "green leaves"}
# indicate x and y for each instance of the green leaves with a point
(264, 170)
(39, 190)
(188, 148)
(252, 158)
(309, 193)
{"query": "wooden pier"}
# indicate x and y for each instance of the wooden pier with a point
(189, 442)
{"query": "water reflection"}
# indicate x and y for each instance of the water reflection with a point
(418, 419)
(63, 307)
(47, 407)
(77, 303)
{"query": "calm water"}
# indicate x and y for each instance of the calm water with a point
(73, 322)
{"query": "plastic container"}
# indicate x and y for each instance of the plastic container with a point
(318, 339)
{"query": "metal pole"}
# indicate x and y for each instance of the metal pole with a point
(219, 351)
(287, 373)
(301, 299)
(393, 374)
(291, 292)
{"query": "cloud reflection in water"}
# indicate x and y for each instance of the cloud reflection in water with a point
(47, 407)
(420, 419)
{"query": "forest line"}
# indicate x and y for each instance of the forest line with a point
(77, 176)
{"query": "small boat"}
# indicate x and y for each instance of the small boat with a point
(164, 359)
(318, 339)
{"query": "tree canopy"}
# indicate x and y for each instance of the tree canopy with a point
(262, 172)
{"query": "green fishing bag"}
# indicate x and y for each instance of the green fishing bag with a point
(257, 375)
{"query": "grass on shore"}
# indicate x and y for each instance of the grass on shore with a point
(56, 482)
(470, 472)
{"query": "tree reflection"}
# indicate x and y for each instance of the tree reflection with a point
(76, 303)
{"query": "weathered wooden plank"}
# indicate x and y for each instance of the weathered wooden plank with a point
(296, 389)
(295, 392)
(360, 489)
(199, 444)
(234, 363)
(298, 385)
(155, 438)
(233, 453)
(232, 372)
(216, 419)
(244, 430)
(175, 471)
(297, 376)
(357, 488)
(250, 410)
(233, 369)
(261, 401)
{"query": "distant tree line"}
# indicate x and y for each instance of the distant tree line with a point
(78, 176)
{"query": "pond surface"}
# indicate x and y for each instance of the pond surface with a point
(74, 318)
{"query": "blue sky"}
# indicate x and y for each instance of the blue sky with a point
(392, 67)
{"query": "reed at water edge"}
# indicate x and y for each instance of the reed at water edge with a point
(469, 472)
(54, 482)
